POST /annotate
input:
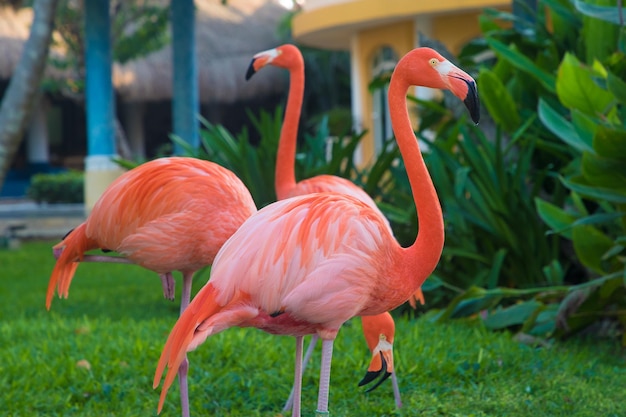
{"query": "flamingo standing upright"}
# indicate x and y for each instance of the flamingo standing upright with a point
(289, 57)
(169, 214)
(307, 264)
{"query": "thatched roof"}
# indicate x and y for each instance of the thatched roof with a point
(226, 38)
(14, 29)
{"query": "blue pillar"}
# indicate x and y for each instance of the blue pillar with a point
(100, 170)
(185, 101)
(99, 87)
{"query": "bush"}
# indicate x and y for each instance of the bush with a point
(64, 187)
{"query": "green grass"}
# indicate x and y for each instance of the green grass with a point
(117, 320)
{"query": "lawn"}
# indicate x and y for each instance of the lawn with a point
(94, 354)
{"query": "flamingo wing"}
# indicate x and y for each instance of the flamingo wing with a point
(316, 257)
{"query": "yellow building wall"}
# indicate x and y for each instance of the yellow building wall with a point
(398, 36)
(455, 30)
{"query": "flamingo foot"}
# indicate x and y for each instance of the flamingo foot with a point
(167, 280)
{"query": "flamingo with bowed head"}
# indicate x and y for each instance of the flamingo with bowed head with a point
(289, 57)
(169, 214)
(307, 264)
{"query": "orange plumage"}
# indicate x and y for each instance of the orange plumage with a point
(307, 264)
(289, 57)
(169, 214)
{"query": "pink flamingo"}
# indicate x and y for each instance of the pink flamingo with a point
(289, 57)
(308, 264)
(169, 214)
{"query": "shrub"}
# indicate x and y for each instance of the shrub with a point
(64, 187)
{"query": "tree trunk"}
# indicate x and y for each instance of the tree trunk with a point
(24, 85)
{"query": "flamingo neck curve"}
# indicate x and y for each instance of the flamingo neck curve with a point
(285, 178)
(421, 258)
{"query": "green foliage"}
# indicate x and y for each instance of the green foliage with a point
(254, 165)
(95, 354)
(566, 85)
(65, 187)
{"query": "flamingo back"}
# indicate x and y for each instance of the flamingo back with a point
(170, 213)
(317, 257)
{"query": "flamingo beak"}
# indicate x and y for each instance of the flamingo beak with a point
(260, 60)
(381, 374)
(471, 101)
(463, 86)
(251, 69)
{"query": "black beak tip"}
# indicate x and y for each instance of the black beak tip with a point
(251, 71)
(471, 102)
(369, 377)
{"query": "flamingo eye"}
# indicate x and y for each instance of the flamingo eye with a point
(433, 62)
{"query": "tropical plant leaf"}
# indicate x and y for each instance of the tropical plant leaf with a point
(597, 193)
(590, 244)
(610, 142)
(616, 86)
(609, 173)
(558, 219)
(608, 14)
(516, 314)
(498, 100)
(523, 63)
(577, 90)
(563, 129)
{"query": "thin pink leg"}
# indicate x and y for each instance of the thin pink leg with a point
(322, 398)
(167, 280)
(305, 361)
(185, 297)
(297, 378)
(396, 390)
(184, 392)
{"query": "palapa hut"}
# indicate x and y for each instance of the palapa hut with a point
(226, 38)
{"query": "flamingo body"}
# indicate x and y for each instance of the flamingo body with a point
(169, 214)
(319, 260)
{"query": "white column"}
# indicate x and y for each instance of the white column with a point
(37, 136)
(133, 118)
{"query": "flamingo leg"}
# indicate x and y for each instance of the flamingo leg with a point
(305, 361)
(322, 399)
(184, 366)
(167, 280)
(396, 390)
(297, 378)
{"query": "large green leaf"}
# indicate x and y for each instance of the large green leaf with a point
(590, 245)
(511, 316)
(610, 142)
(608, 14)
(558, 219)
(616, 86)
(562, 128)
(576, 88)
(498, 100)
(604, 172)
(597, 193)
(523, 63)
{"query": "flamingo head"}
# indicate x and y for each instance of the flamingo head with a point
(285, 56)
(426, 67)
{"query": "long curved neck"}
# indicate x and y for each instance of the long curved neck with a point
(422, 257)
(285, 179)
